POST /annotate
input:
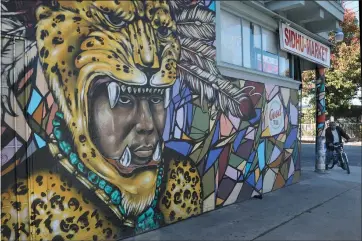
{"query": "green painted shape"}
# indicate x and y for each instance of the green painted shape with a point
(244, 125)
(269, 149)
(34, 125)
(234, 160)
(45, 120)
(200, 123)
(208, 182)
(195, 155)
(294, 97)
(24, 96)
(284, 170)
(206, 144)
(258, 134)
(280, 144)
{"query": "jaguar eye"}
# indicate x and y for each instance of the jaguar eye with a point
(164, 32)
(114, 20)
(156, 100)
(124, 100)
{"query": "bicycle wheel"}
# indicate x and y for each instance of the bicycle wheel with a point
(345, 161)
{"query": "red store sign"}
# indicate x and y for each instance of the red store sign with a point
(299, 44)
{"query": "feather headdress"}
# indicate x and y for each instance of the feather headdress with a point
(17, 54)
(197, 68)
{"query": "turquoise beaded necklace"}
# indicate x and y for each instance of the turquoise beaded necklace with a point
(150, 219)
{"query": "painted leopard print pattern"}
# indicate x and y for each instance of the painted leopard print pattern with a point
(57, 211)
(183, 196)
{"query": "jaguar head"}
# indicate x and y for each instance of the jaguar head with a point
(110, 66)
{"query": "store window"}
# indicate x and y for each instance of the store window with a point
(231, 40)
(270, 52)
(284, 64)
(257, 47)
(246, 44)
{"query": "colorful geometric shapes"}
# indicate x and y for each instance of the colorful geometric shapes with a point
(285, 95)
(200, 123)
(257, 117)
(223, 161)
(234, 194)
(212, 157)
(238, 139)
(226, 126)
(235, 160)
(209, 203)
(268, 181)
(291, 138)
(216, 133)
(180, 146)
(261, 155)
(276, 152)
(291, 168)
(225, 188)
(232, 173)
(245, 149)
(293, 114)
(41, 143)
(234, 120)
(34, 101)
(250, 133)
(208, 182)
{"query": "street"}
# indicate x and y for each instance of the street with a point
(308, 155)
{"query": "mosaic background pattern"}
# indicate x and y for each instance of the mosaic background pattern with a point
(235, 159)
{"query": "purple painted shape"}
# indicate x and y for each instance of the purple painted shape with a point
(225, 188)
(291, 138)
(259, 185)
(176, 88)
(245, 149)
(232, 173)
(276, 152)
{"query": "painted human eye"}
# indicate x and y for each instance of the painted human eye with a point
(163, 32)
(114, 20)
(156, 100)
(124, 100)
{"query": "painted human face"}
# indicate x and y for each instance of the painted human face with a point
(126, 126)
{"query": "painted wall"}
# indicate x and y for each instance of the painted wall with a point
(117, 121)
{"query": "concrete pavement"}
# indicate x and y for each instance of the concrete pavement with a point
(319, 207)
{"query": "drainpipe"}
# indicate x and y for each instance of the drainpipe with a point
(320, 164)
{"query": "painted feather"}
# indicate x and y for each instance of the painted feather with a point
(196, 23)
(217, 90)
(16, 57)
(199, 53)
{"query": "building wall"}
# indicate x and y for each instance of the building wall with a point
(221, 140)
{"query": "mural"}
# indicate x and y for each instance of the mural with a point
(321, 118)
(116, 120)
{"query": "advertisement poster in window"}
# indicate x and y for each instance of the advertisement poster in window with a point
(270, 63)
(275, 116)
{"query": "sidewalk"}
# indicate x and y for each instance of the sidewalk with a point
(319, 207)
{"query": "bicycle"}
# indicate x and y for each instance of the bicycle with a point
(339, 157)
